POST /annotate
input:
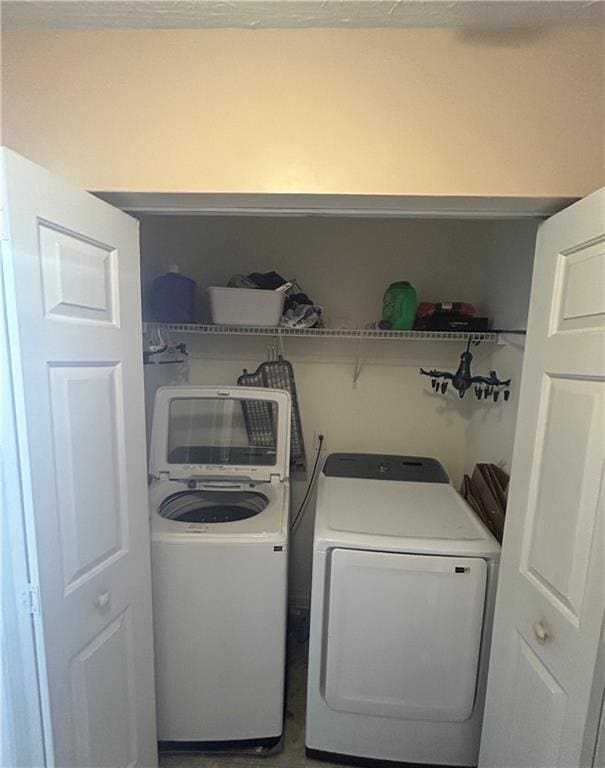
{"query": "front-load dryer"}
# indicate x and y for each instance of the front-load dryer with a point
(404, 580)
(219, 498)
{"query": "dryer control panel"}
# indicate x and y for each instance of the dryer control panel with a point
(379, 466)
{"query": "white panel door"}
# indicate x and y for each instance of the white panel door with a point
(551, 594)
(71, 269)
(413, 653)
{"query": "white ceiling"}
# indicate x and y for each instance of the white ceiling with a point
(188, 14)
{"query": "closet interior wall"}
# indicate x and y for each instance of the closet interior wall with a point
(345, 264)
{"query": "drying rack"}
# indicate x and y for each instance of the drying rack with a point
(260, 417)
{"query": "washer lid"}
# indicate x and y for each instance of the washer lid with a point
(214, 433)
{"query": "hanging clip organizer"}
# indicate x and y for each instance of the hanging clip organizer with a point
(463, 379)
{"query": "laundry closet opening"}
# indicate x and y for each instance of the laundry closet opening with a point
(361, 394)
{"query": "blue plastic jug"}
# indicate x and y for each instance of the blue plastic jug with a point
(173, 297)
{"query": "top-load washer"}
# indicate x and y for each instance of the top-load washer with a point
(404, 581)
(219, 462)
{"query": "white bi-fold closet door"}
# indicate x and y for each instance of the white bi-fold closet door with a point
(71, 274)
(543, 698)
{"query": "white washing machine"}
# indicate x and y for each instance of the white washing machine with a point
(219, 461)
(404, 581)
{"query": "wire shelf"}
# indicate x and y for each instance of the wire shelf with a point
(323, 333)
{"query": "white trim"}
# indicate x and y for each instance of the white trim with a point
(599, 751)
(24, 727)
(593, 749)
(377, 206)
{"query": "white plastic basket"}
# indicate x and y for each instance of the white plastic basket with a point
(245, 306)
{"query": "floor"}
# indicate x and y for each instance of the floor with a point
(293, 753)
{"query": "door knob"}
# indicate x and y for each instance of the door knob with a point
(542, 631)
(102, 600)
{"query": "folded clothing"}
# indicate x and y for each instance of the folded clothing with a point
(302, 316)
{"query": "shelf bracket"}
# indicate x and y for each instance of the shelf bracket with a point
(281, 345)
(358, 361)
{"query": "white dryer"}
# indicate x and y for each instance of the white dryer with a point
(404, 581)
(219, 462)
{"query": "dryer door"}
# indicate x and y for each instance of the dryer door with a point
(404, 634)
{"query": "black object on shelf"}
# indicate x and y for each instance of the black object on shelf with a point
(450, 322)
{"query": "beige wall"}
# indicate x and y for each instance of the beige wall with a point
(491, 431)
(415, 111)
(346, 264)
